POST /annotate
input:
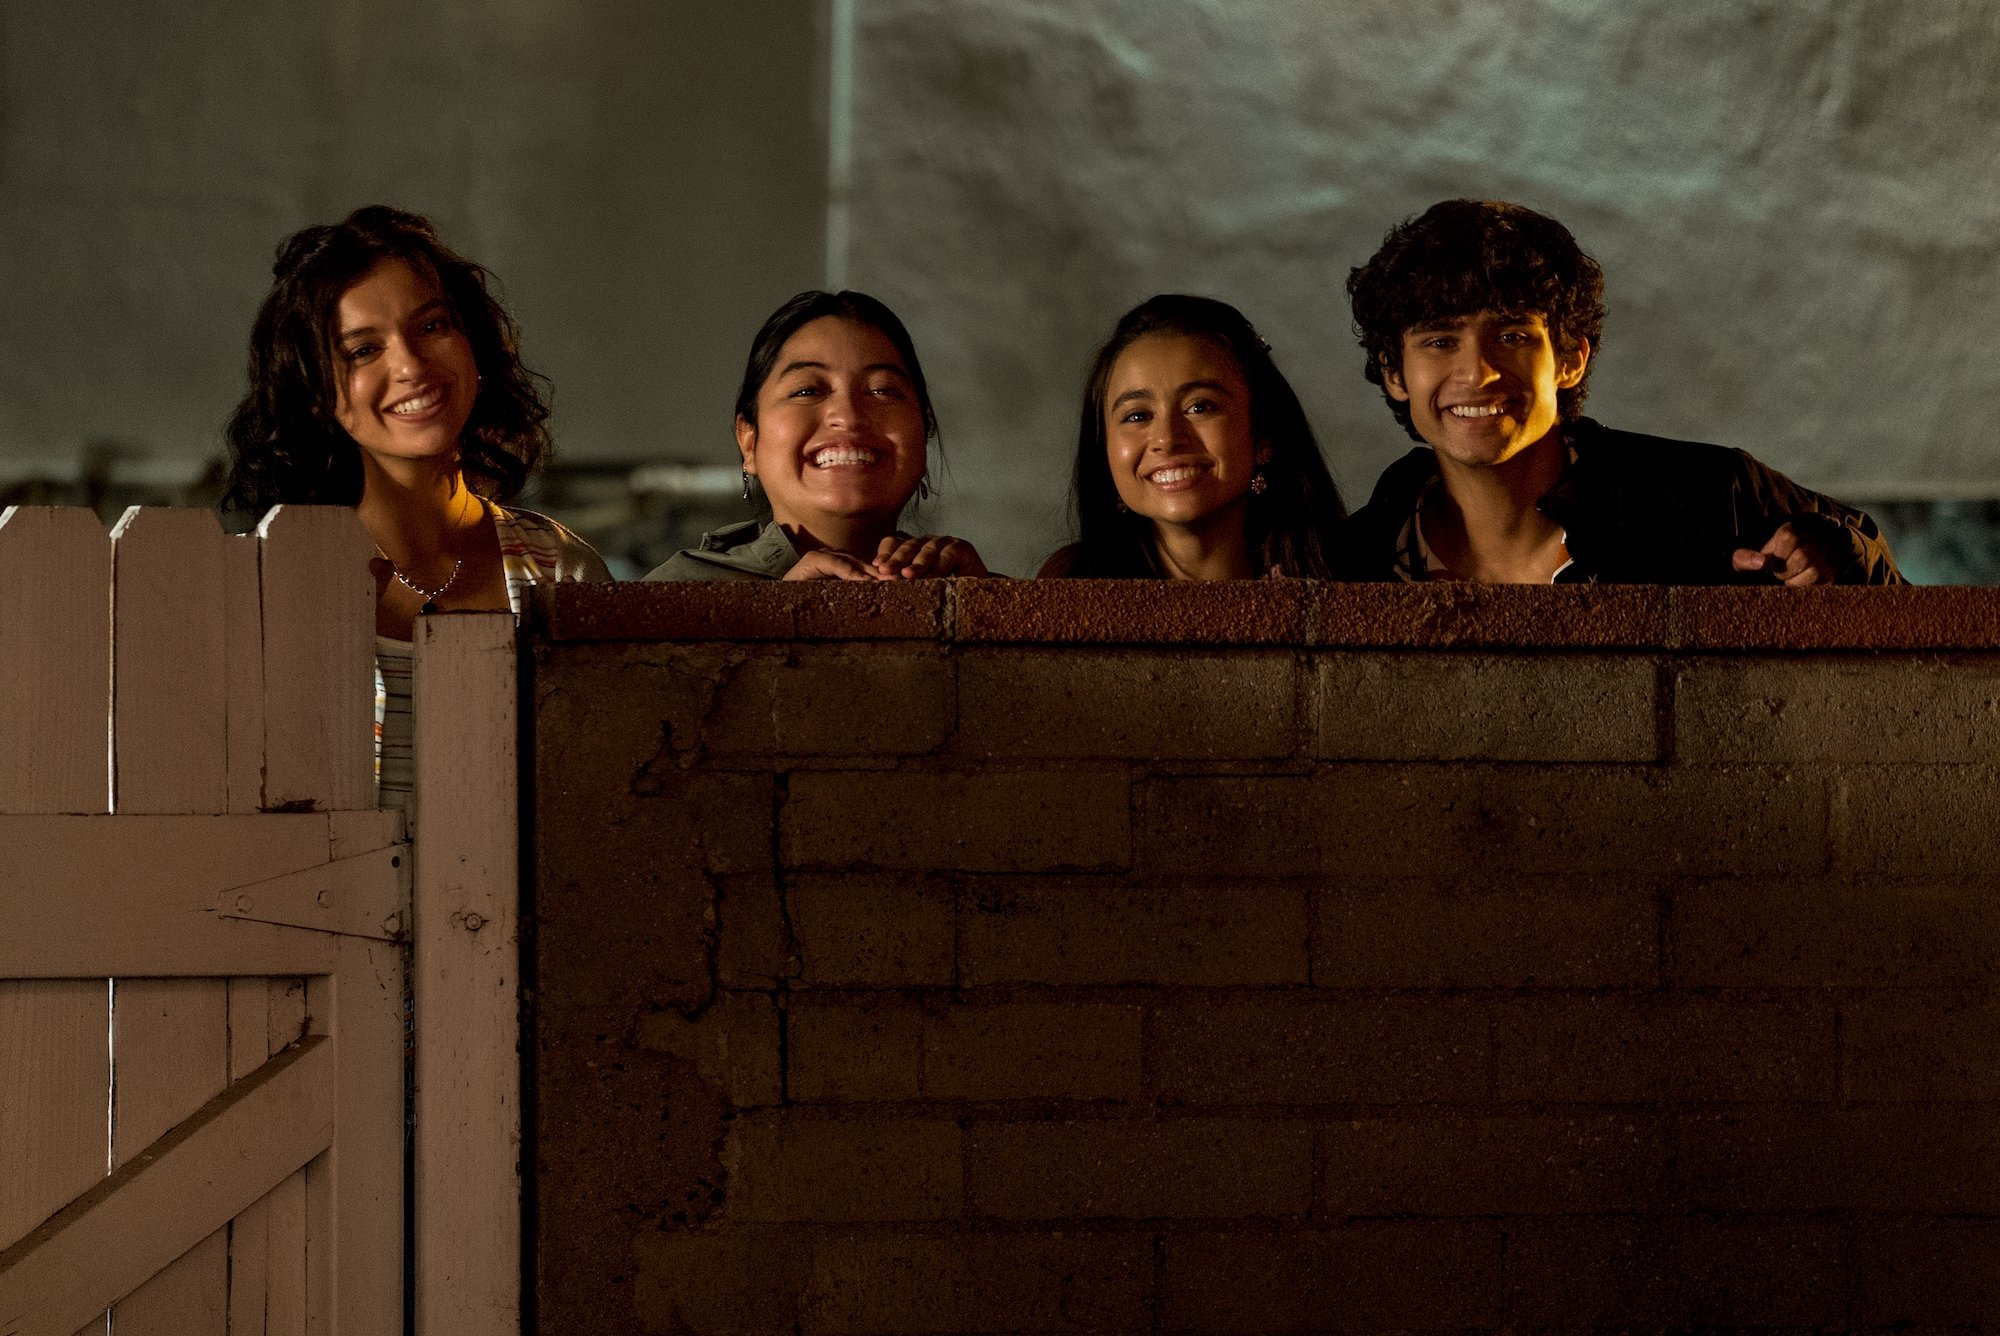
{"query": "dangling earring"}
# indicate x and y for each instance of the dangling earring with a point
(1123, 509)
(924, 488)
(746, 484)
(1257, 484)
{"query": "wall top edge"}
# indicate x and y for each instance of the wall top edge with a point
(1302, 613)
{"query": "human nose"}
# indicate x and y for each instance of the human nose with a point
(1477, 363)
(406, 360)
(843, 407)
(1171, 431)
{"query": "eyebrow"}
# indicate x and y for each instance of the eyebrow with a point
(890, 367)
(1214, 385)
(435, 303)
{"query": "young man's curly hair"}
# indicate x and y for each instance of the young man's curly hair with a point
(1466, 256)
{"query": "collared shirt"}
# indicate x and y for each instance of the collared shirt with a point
(1416, 560)
(742, 551)
(736, 552)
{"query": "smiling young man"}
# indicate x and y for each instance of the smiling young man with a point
(1480, 320)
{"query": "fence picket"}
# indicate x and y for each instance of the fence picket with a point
(172, 1057)
(55, 660)
(250, 1232)
(168, 655)
(319, 659)
(355, 1211)
(243, 639)
(55, 710)
(267, 1241)
(170, 755)
(285, 1207)
(55, 1072)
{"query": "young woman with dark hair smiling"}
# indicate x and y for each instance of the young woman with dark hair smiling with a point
(834, 423)
(385, 376)
(1194, 458)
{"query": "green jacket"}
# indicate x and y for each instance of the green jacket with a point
(738, 552)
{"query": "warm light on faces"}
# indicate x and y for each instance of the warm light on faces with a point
(404, 372)
(1483, 388)
(839, 434)
(1177, 431)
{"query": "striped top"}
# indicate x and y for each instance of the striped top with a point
(534, 550)
(395, 663)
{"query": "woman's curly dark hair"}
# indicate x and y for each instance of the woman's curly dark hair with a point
(284, 443)
(1289, 525)
(1465, 256)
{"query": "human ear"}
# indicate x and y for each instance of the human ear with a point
(1392, 382)
(746, 444)
(1570, 366)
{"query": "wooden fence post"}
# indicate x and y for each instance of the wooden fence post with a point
(466, 967)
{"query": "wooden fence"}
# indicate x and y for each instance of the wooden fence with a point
(205, 940)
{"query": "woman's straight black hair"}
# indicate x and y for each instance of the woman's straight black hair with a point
(1289, 526)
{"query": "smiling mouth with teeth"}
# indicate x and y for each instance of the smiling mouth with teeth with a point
(835, 455)
(428, 399)
(1180, 473)
(1476, 410)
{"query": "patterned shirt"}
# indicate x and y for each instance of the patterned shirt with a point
(534, 550)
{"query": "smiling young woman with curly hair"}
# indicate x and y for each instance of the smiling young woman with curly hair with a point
(385, 376)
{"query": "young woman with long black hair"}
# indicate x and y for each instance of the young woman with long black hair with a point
(1194, 458)
(834, 427)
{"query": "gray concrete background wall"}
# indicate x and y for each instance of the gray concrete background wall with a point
(646, 178)
(1792, 197)
(1793, 200)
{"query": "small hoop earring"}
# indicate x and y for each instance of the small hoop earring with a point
(746, 484)
(1257, 484)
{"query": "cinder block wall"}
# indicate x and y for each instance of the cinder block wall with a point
(1038, 957)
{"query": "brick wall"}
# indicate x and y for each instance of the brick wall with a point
(1037, 957)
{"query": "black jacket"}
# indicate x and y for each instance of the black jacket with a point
(1636, 510)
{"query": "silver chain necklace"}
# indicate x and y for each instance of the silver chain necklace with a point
(429, 596)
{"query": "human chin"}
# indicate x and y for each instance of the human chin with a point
(424, 440)
(1193, 507)
(853, 495)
